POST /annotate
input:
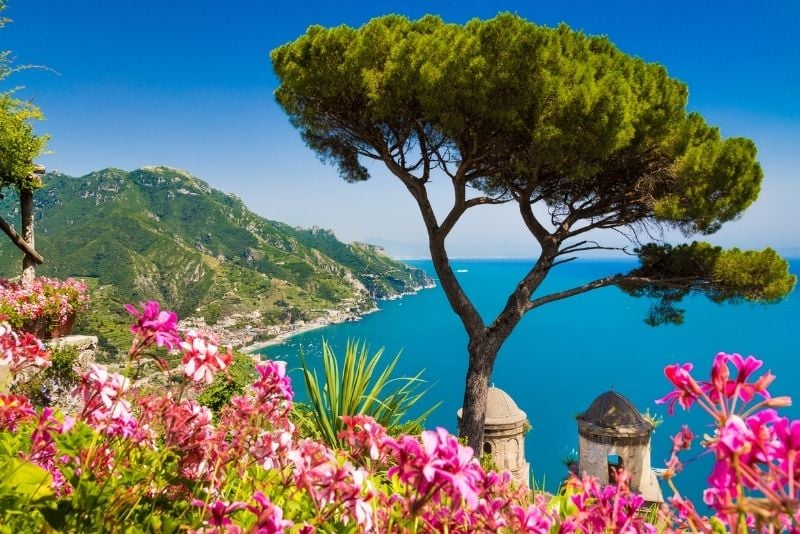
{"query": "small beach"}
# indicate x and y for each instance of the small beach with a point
(283, 337)
(333, 317)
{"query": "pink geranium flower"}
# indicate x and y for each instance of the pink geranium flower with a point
(364, 435)
(270, 517)
(439, 461)
(753, 481)
(202, 358)
(220, 512)
(104, 407)
(686, 388)
(533, 519)
(722, 388)
(20, 351)
(154, 325)
(272, 382)
(611, 508)
(50, 299)
(722, 487)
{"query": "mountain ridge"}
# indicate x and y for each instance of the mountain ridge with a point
(161, 233)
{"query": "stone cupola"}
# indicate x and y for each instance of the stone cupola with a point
(504, 435)
(613, 434)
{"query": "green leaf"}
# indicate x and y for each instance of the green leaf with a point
(357, 386)
(28, 482)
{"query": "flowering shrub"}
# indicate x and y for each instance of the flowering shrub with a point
(160, 461)
(753, 485)
(45, 301)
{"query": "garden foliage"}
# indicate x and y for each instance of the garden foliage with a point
(134, 459)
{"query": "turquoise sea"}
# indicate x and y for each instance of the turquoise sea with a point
(566, 353)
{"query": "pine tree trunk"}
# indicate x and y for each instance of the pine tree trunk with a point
(26, 207)
(473, 414)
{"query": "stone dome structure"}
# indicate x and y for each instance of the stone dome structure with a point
(504, 434)
(501, 409)
(613, 420)
(612, 434)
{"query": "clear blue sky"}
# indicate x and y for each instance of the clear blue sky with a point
(189, 84)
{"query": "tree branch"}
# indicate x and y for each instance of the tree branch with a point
(459, 204)
(517, 302)
(565, 260)
(441, 160)
(479, 201)
(568, 248)
(425, 156)
(590, 245)
(461, 304)
(604, 282)
(522, 196)
(19, 242)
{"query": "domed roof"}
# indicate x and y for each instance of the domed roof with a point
(501, 409)
(612, 418)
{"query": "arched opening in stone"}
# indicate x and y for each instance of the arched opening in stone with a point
(487, 448)
(615, 464)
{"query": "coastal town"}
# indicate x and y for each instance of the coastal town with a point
(240, 331)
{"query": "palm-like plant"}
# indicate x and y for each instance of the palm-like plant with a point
(355, 387)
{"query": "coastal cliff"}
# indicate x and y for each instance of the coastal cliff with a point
(160, 233)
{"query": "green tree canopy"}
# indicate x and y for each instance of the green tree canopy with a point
(19, 146)
(517, 108)
(514, 112)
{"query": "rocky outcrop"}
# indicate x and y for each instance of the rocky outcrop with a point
(84, 346)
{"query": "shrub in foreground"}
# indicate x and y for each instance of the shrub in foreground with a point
(135, 459)
(357, 386)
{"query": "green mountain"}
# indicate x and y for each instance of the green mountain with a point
(160, 233)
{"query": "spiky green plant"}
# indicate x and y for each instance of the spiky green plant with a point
(357, 386)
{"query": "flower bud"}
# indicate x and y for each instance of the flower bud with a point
(778, 402)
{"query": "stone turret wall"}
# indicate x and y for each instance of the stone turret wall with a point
(508, 450)
(594, 460)
(504, 435)
(612, 426)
